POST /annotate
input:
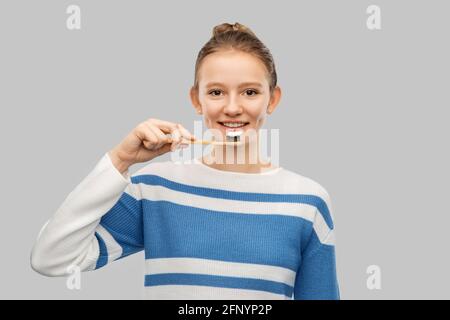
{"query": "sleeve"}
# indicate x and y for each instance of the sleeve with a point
(100, 221)
(316, 277)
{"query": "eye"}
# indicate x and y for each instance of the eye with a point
(215, 92)
(251, 92)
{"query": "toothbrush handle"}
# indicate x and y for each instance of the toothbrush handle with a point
(217, 143)
(201, 142)
(193, 140)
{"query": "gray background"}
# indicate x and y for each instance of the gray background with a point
(364, 113)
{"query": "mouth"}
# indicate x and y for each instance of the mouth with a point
(233, 125)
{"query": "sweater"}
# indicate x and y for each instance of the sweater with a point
(205, 233)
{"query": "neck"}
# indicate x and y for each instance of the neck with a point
(241, 158)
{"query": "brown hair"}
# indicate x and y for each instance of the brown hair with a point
(238, 37)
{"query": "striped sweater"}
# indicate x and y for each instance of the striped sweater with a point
(205, 233)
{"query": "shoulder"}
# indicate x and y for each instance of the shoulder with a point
(306, 185)
(159, 168)
(323, 222)
(315, 194)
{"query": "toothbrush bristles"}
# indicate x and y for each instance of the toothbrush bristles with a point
(233, 136)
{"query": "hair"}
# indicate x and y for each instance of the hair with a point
(238, 37)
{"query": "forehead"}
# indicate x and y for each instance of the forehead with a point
(232, 68)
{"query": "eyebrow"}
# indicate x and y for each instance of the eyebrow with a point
(245, 84)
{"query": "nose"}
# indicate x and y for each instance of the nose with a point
(233, 107)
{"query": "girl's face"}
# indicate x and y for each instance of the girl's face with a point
(233, 92)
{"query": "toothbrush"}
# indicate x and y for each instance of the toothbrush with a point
(232, 138)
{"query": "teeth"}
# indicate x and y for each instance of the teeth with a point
(233, 124)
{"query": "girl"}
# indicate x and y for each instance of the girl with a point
(209, 229)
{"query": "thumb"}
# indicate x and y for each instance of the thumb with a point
(164, 149)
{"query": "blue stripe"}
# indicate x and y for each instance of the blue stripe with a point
(124, 222)
(173, 230)
(313, 200)
(316, 278)
(103, 255)
(218, 281)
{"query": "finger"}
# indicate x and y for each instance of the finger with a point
(185, 133)
(176, 139)
(183, 145)
(164, 149)
(149, 139)
(162, 137)
(165, 126)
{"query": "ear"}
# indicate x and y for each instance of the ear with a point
(274, 100)
(193, 93)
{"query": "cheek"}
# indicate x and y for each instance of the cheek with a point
(210, 105)
(257, 110)
(260, 120)
(211, 113)
(211, 109)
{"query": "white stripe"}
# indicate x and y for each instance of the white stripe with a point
(114, 249)
(330, 239)
(322, 230)
(220, 268)
(188, 292)
(301, 210)
(283, 182)
(192, 174)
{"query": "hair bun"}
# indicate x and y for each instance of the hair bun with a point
(227, 27)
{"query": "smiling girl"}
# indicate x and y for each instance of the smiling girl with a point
(209, 229)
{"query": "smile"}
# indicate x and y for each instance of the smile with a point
(234, 124)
